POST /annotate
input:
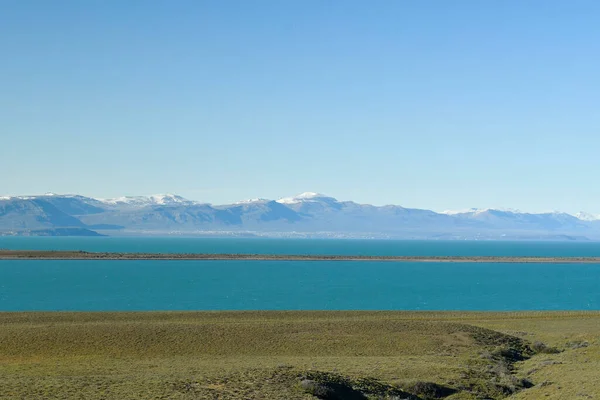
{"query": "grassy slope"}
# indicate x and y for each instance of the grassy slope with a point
(568, 375)
(261, 354)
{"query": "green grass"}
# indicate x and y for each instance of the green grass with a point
(265, 355)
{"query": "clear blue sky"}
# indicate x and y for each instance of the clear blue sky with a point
(430, 104)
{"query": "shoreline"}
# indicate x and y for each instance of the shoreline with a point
(83, 255)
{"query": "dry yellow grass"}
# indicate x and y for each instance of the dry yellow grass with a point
(194, 355)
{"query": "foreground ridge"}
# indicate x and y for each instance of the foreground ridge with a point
(84, 255)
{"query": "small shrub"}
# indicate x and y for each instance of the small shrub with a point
(545, 363)
(317, 389)
(542, 348)
(330, 390)
(577, 344)
(430, 390)
(508, 354)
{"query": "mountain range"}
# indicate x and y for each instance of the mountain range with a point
(305, 215)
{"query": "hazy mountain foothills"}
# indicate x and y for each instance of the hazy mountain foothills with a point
(308, 214)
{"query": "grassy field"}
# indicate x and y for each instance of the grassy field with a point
(296, 355)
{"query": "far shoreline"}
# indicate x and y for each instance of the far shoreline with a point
(84, 255)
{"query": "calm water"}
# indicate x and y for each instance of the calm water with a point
(292, 285)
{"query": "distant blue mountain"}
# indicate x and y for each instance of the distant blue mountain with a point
(34, 213)
(306, 215)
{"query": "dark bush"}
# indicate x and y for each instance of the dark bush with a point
(430, 390)
(508, 354)
(542, 348)
(330, 390)
(577, 344)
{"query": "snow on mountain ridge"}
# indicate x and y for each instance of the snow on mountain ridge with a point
(37, 196)
(477, 211)
(250, 201)
(304, 197)
(309, 195)
(156, 199)
(456, 212)
(133, 200)
(168, 198)
(585, 216)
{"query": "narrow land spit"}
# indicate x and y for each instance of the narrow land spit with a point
(84, 255)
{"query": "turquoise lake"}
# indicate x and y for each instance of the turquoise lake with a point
(297, 285)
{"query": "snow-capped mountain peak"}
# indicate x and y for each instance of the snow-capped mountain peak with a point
(164, 199)
(42, 196)
(304, 197)
(466, 211)
(132, 200)
(477, 211)
(585, 216)
(156, 199)
(251, 201)
(309, 195)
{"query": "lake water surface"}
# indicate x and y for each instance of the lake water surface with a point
(296, 285)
